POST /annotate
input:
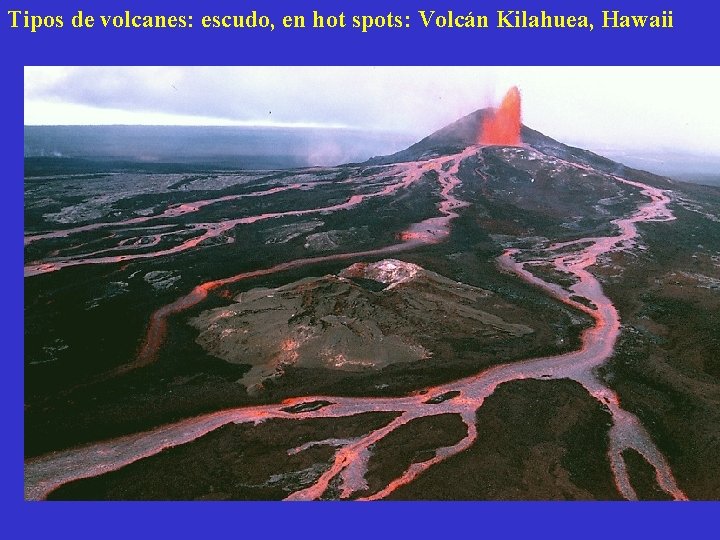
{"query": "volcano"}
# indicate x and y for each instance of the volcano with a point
(487, 314)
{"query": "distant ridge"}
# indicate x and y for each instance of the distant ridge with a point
(219, 146)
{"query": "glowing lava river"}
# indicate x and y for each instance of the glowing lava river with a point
(462, 397)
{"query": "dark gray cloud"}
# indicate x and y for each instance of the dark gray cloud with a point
(661, 107)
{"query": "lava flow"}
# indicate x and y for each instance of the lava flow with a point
(462, 397)
(201, 231)
(503, 126)
(428, 231)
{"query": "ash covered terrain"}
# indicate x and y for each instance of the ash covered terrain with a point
(487, 314)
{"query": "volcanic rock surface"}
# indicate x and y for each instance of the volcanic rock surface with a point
(517, 269)
(364, 318)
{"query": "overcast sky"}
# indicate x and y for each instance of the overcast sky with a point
(596, 107)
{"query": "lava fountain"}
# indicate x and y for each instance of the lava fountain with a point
(502, 126)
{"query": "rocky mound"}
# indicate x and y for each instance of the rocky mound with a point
(365, 318)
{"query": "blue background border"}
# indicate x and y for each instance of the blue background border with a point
(693, 42)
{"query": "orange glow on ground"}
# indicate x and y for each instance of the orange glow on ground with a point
(462, 397)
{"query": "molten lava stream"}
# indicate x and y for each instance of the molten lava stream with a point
(172, 211)
(208, 230)
(45, 473)
(431, 230)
